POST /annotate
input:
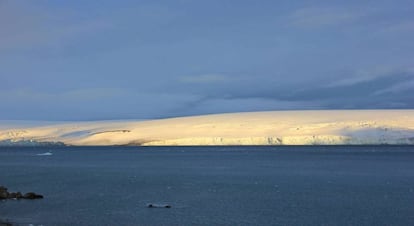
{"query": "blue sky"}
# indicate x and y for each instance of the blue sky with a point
(94, 60)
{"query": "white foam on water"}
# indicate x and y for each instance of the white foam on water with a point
(45, 154)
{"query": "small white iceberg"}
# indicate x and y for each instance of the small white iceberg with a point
(45, 154)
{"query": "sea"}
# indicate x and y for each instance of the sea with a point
(225, 185)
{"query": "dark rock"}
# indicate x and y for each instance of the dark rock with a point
(19, 195)
(4, 194)
(32, 195)
(5, 223)
(12, 195)
(15, 195)
(152, 205)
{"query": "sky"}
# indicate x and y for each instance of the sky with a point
(104, 60)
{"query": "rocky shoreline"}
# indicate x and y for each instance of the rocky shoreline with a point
(5, 194)
(5, 223)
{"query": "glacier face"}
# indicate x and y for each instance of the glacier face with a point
(29, 143)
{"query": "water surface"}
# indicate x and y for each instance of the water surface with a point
(287, 185)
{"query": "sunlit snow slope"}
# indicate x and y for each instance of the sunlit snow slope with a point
(255, 128)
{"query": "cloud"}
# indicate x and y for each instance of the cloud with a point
(61, 58)
(91, 103)
(76, 95)
(206, 78)
(387, 91)
(397, 88)
(366, 75)
(26, 26)
(398, 28)
(314, 17)
(223, 105)
(375, 89)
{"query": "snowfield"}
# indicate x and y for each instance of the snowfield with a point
(327, 127)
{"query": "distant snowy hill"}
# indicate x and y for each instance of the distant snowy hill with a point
(332, 127)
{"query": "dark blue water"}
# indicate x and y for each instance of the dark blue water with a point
(314, 185)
